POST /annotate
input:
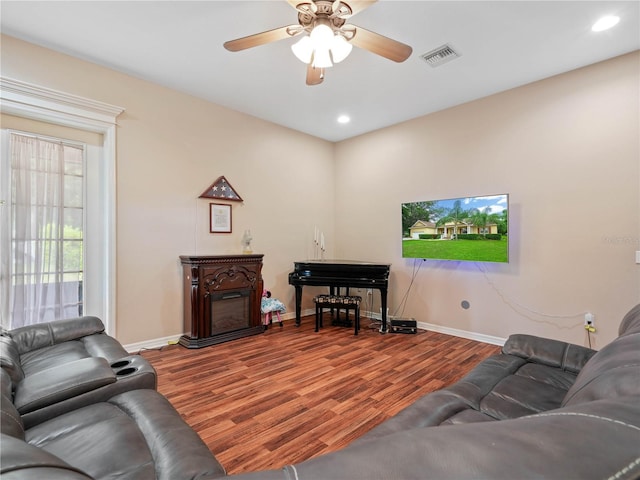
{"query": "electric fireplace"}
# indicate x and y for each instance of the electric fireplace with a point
(222, 296)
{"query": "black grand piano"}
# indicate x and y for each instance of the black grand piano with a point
(341, 274)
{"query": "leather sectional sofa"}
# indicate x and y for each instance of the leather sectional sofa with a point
(75, 405)
(540, 409)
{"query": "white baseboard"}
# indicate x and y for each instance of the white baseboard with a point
(151, 344)
(173, 339)
(478, 337)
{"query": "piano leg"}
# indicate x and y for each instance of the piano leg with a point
(383, 304)
(298, 303)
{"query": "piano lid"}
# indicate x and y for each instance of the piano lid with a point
(341, 262)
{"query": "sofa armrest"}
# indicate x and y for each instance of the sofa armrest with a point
(178, 451)
(60, 383)
(553, 353)
(33, 337)
(10, 359)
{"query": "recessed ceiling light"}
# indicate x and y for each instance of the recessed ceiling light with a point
(344, 119)
(605, 23)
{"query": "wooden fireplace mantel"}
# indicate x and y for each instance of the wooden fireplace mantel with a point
(216, 278)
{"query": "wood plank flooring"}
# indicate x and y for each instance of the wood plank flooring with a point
(291, 394)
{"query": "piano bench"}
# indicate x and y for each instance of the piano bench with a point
(339, 302)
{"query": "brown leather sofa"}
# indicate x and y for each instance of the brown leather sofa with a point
(75, 404)
(540, 409)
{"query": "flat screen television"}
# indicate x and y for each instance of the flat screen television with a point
(472, 229)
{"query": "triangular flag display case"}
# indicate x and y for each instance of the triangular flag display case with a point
(221, 189)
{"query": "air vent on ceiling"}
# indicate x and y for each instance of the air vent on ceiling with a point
(440, 55)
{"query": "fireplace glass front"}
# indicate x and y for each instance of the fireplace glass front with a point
(230, 310)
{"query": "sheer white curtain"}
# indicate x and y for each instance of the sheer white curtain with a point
(37, 226)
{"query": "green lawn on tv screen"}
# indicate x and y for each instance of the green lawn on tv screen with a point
(469, 250)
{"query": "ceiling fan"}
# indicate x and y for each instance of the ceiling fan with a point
(329, 38)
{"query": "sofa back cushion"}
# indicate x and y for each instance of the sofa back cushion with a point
(545, 351)
(33, 337)
(631, 322)
(611, 373)
(10, 359)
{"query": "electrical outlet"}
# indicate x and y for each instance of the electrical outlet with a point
(589, 320)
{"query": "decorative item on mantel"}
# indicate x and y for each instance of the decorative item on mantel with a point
(221, 189)
(246, 242)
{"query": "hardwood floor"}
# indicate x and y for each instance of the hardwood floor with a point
(290, 394)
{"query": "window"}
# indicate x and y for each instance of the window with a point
(46, 228)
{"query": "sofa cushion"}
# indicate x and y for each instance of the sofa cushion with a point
(98, 345)
(554, 377)
(83, 437)
(21, 461)
(52, 356)
(516, 395)
(137, 434)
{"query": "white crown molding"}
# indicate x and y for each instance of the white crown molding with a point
(41, 103)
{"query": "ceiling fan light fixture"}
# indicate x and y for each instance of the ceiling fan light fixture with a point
(340, 48)
(326, 38)
(321, 35)
(321, 58)
(303, 49)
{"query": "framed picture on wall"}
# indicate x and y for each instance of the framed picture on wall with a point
(219, 218)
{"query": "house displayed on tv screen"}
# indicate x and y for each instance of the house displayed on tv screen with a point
(470, 228)
(450, 230)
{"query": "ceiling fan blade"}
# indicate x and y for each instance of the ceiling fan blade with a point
(262, 38)
(381, 45)
(359, 5)
(314, 75)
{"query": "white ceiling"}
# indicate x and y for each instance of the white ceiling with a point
(178, 44)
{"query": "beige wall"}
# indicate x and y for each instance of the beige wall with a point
(566, 149)
(170, 148)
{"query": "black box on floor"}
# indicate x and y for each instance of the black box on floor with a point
(403, 325)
